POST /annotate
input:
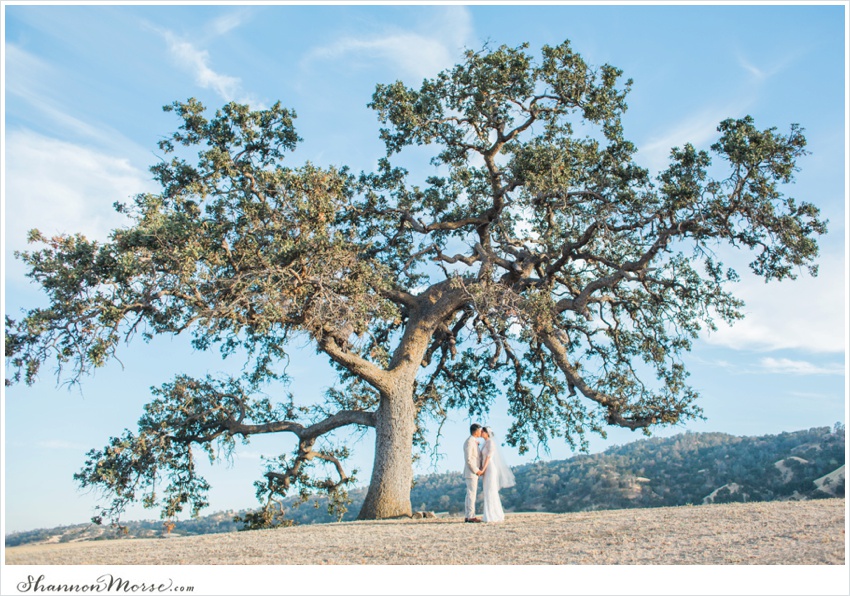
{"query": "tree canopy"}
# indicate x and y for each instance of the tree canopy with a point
(539, 261)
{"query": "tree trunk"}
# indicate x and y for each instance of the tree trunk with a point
(392, 472)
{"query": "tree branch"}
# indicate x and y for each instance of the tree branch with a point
(340, 419)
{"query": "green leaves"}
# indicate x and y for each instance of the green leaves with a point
(590, 251)
(765, 152)
(494, 96)
(264, 134)
(683, 182)
(777, 227)
(211, 414)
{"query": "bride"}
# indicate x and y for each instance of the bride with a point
(496, 475)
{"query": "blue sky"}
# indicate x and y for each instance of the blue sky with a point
(84, 87)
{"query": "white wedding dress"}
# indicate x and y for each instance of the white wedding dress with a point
(497, 475)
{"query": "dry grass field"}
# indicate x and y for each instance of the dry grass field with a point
(777, 533)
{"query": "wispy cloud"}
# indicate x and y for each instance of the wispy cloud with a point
(414, 53)
(31, 79)
(761, 72)
(807, 313)
(724, 364)
(775, 366)
(699, 130)
(417, 53)
(26, 75)
(197, 62)
(813, 395)
(190, 55)
(57, 186)
(61, 445)
(798, 367)
(753, 70)
(227, 22)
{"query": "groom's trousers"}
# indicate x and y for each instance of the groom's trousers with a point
(471, 494)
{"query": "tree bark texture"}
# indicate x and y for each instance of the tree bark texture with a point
(392, 474)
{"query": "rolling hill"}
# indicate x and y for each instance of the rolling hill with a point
(686, 469)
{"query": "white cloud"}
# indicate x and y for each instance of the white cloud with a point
(419, 54)
(807, 313)
(197, 61)
(699, 130)
(454, 26)
(798, 367)
(812, 395)
(25, 73)
(62, 445)
(762, 73)
(414, 53)
(753, 70)
(776, 366)
(61, 187)
(30, 78)
(227, 23)
(189, 56)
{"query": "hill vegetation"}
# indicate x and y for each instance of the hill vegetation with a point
(690, 468)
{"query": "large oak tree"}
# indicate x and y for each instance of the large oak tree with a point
(539, 262)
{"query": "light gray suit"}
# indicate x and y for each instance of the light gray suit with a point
(471, 466)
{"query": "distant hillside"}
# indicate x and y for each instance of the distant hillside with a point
(691, 468)
(209, 524)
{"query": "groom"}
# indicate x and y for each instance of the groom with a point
(471, 472)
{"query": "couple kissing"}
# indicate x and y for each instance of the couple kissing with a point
(486, 462)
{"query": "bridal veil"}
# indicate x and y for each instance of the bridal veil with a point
(505, 475)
